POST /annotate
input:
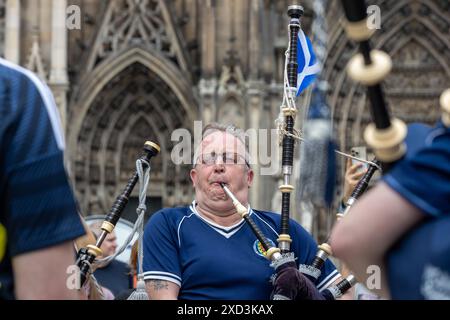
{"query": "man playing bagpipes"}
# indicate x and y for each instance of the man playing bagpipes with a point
(207, 250)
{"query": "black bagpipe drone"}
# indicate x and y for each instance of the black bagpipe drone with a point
(87, 256)
(290, 281)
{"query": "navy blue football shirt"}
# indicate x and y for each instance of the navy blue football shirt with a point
(208, 261)
(423, 177)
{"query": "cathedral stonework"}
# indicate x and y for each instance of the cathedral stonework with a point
(137, 70)
(2, 26)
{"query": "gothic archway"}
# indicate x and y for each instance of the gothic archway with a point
(135, 86)
(134, 106)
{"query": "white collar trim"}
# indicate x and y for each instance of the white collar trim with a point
(227, 232)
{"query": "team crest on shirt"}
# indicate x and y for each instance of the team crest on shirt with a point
(259, 249)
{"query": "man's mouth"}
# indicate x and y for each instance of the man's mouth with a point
(219, 183)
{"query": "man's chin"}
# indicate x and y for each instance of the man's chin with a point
(219, 197)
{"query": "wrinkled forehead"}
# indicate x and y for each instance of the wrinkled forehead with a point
(221, 142)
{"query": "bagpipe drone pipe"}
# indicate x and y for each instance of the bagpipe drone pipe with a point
(292, 282)
(87, 256)
(385, 135)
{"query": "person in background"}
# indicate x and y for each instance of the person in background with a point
(133, 265)
(116, 275)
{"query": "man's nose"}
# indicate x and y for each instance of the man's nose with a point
(219, 166)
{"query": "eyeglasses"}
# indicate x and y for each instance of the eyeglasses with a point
(209, 159)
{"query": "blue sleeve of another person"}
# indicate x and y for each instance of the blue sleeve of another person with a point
(40, 209)
(424, 178)
(305, 248)
(161, 261)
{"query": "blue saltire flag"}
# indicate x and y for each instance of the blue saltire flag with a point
(308, 67)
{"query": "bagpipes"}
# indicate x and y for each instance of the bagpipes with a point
(313, 271)
(289, 112)
(291, 282)
(427, 243)
(385, 136)
(298, 284)
(87, 256)
(360, 187)
(370, 67)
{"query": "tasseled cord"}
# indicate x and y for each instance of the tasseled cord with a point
(140, 293)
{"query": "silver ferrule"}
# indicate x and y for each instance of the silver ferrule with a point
(101, 238)
(322, 255)
(350, 201)
(276, 256)
(287, 170)
(284, 245)
(351, 279)
(349, 205)
(296, 6)
(287, 179)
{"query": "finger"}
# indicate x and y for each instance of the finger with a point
(349, 163)
(354, 168)
(358, 175)
(355, 180)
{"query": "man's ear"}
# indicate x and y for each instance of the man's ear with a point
(193, 175)
(250, 175)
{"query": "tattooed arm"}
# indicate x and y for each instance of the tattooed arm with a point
(162, 290)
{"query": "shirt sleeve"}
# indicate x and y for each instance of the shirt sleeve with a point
(161, 259)
(40, 206)
(306, 249)
(424, 179)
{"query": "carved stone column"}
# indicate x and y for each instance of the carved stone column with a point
(12, 34)
(254, 41)
(254, 108)
(207, 89)
(208, 83)
(208, 43)
(58, 72)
